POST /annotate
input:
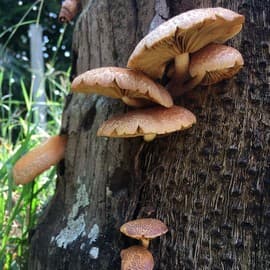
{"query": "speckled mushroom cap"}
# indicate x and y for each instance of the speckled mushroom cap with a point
(187, 32)
(68, 10)
(157, 120)
(148, 228)
(129, 85)
(39, 159)
(136, 258)
(215, 62)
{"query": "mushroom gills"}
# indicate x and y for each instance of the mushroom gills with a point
(213, 77)
(187, 86)
(135, 102)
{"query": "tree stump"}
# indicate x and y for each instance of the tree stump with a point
(209, 184)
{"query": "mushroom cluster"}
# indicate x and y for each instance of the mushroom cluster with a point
(136, 90)
(170, 46)
(186, 50)
(145, 229)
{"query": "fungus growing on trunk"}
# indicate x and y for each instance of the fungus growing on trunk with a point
(136, 258)
(148, 123)
(144, 229)
(39, 159)
(173, 41)
(133, 87)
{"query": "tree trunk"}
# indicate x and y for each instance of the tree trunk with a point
(209, 184)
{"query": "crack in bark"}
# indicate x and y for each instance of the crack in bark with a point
(113, 34)
(136, 21)
(89, 117)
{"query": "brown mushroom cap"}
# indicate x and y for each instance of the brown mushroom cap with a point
(157, 120)
(185, 33)
(136, 258)
(39, 159)
(68, 10)
(147, 228)
(215, 62)
(129, 85)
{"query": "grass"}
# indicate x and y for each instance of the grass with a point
(20, 206)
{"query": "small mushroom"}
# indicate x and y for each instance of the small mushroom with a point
(212, 64)
(144, 229)
(172, 41)
(136, 258)
(69, 10)
(39, 159)
(133, 87)
(148, 123)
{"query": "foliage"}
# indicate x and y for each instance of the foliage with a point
(20, 206)
(15, 18)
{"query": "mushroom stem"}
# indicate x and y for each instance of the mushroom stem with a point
(181, 66)
(149, 137)
(193, 82)
(188, 85)
(145, 242)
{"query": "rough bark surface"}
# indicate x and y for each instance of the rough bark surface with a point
(209, 184)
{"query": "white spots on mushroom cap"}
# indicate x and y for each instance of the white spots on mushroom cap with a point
(75, 225)
(94, 251)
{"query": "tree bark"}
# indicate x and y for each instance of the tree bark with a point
(209, 184)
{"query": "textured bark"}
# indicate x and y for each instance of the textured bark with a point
(209, 184)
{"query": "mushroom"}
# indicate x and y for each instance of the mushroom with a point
(144, 229)
(133, 87)
(136, 258)
(39, 159)
(68, 10)
(148, 123)
(172, 41)
(212, 64)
